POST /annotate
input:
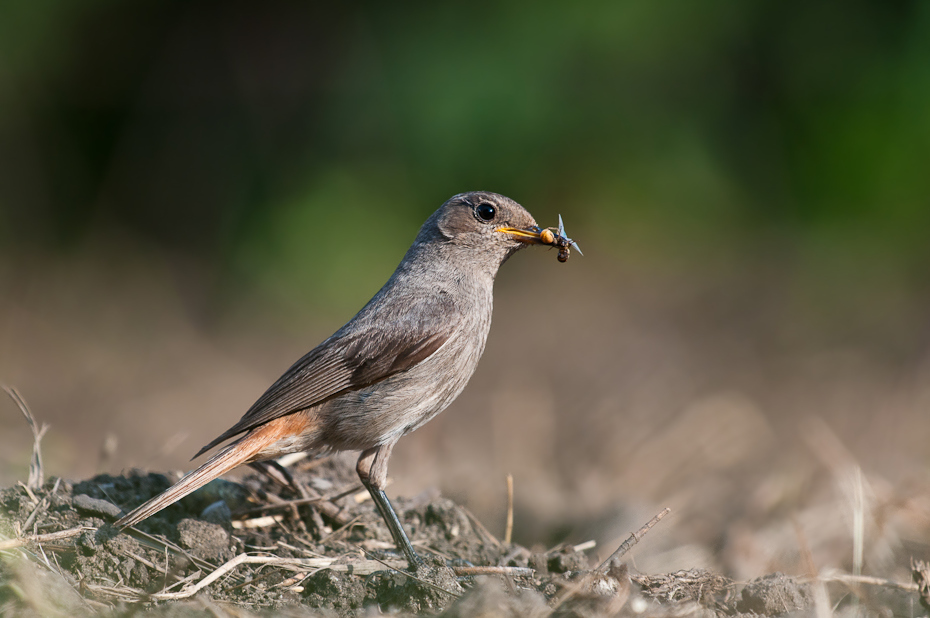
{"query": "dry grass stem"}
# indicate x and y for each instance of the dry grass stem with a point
(43, 538)
(162, 544)
(341, 529)
(41, 506)
(144, 561)
(306, 466)
(284, 504)
(465, 571)
(257, 522)
(480, 527)
(508, 531)
(850, 579)
(36, 473)
(182, 582)
(633, 539)
(858, 509)
(290, 459)
(585, 546)
(293, 563)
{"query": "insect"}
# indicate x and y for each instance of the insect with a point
(556, 237)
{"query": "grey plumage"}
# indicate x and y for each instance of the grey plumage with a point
(400, 361)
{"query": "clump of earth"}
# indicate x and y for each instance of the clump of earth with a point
(316, 546)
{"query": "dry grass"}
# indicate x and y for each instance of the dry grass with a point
(32, 582)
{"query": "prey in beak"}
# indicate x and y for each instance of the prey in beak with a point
(551, 236)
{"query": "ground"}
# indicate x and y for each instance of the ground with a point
(257, 547)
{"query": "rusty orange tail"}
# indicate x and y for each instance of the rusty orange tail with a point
(223, 461)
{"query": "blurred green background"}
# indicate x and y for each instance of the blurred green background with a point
(245, 135)
(193, 194)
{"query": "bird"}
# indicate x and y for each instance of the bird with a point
(404, 357)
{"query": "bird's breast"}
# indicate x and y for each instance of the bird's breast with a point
(383, 412)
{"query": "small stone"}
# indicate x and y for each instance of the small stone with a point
(218, 513)
(85, 503)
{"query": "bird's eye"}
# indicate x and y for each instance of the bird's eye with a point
(485, 211)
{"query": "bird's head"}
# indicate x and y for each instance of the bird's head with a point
(486, 222)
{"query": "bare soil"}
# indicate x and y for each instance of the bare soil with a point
(334, 557)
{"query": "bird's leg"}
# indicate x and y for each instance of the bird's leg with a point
(279, 474)
(372, 470)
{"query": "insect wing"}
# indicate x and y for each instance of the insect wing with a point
(571, 242)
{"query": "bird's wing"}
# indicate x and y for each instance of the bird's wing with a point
(360, 354)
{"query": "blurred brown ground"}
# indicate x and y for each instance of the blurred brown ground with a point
(743, 395)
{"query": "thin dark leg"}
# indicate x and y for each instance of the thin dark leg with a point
(279, 474)
(393, 524)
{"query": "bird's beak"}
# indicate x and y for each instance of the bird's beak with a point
(550, 236)
(531, 235)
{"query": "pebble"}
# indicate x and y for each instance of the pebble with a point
(83, 502)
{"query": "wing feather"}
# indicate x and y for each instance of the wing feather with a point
(365, 351)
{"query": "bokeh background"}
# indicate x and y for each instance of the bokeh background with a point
(193, 194)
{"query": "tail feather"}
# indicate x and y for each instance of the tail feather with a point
(223, 461)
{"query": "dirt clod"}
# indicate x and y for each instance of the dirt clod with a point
(566, 560)
(431, 588)
(328, 589)
(774, 594)
(205, 540)
(488, 598)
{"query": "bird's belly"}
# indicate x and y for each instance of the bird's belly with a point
(385, 411)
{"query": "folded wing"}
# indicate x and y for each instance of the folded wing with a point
(360, 354)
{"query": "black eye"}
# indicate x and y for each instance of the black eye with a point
(485, 211)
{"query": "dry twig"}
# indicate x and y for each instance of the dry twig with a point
(160, 543)
(464, 571)
(848, 578)
(36, 474)
(480, 527)
(633, 540)
(43, 538)
(295, 563)
(284, 504)
(360, 567)
(340, 530)
(921, 573)
(508, 532)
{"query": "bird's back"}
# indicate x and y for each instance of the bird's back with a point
(458, 304)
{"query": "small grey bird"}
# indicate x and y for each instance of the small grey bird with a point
(398, 363)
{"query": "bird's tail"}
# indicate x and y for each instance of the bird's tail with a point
(223, 461)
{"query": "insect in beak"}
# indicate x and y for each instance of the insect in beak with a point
(550, 236)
